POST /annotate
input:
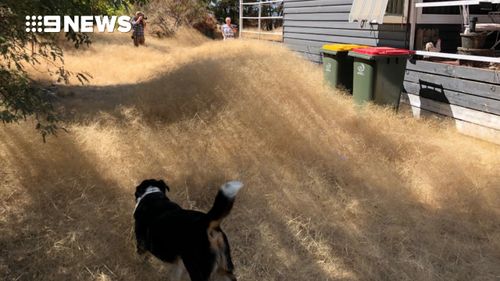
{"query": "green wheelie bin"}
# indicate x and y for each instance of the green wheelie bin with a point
(378, 74)
(337, 65)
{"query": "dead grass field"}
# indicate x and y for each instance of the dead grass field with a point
(265, 35)
(331, 193)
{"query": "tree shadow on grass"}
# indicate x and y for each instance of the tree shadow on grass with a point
(195, 88)
(367, 216)
(393, 234)
(72, 222)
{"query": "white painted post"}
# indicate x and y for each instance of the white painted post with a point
(241, 19)
(413, 23)
(260, 15)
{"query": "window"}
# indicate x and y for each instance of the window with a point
(396, 12)
(395, 7)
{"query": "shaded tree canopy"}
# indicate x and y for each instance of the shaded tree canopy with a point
(225, 8)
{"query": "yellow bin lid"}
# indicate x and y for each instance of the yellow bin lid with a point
(342, 47)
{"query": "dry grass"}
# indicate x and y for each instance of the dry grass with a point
(265, 35)
(331, 193)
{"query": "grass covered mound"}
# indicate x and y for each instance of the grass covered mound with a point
(331, 193)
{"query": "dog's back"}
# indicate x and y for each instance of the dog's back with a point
(169, 232)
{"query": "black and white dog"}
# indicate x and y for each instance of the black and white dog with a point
(171, 233)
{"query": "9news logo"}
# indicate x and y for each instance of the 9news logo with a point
(53, 24)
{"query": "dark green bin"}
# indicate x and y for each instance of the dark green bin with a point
(337, 65)
(378, 75)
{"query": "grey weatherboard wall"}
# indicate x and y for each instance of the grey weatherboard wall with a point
(309, 24)
(471, 96)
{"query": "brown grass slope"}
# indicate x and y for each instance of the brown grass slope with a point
(331, 193)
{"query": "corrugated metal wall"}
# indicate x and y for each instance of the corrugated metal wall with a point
(308, 24)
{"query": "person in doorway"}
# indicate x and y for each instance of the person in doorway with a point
(228, 30)
(138, 26)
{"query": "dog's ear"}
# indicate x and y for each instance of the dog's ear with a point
(163, 185)
(141, 188)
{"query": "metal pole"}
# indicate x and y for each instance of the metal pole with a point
(260, 15)
(241, 18)
(465, 15)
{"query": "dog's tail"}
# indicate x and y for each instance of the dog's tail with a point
(223, 203)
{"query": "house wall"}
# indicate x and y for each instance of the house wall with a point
(471, 96)
(309, 24)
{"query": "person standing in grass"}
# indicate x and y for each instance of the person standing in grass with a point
(228, 30)
(138, 25)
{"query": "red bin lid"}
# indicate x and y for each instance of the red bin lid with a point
(383, 51)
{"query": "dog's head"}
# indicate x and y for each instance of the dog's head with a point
(141, 188)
